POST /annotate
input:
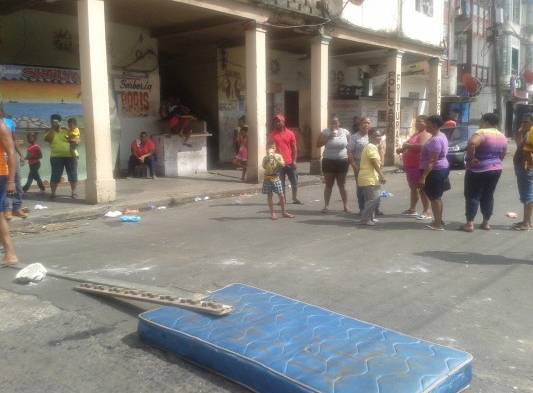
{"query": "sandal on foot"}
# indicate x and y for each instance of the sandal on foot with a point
(434, 228)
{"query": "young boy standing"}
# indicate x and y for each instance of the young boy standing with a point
(73, 137)
(370, 177)
(272, 164)
(33, 156)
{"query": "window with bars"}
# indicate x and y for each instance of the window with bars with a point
(425, 7)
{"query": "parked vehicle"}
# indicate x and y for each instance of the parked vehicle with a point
(457, 142)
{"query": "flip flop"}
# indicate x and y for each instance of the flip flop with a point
(521, 228)
(428, 226)
(466, 229)
(410, 213)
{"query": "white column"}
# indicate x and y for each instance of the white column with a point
(319, 95)
(100, 185)
(394, 88)
(435, 85)
(256, 100)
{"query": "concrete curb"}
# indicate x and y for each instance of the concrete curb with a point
(88, 212)
(98, 211)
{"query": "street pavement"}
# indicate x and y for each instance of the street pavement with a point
(469, 291)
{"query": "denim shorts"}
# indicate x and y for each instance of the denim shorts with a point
(436, 182)
(3, 193)
(524, 180)
(59, 164)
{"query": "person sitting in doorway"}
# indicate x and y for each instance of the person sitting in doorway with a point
(142, 152)
(179, 119)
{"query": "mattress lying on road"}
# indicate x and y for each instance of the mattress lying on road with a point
(273, 344)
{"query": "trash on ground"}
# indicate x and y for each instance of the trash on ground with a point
(151, 205)
(113, 214)
(161, 208)
(198, 305)
(386, 194)
(40, 207)
(206, 198)
(512, 215)
(130, 218)
(32, 273)
(129, 212)
(197, 199)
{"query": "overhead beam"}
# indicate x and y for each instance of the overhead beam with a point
(385, 41)
(11, 6)
(231, 8)
(190, 27)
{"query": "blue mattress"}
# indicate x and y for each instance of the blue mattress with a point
(273, 344)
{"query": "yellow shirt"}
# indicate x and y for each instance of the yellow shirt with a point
(59, 143)
(368, 176)
(272, 165)
(74, 134)
(528, 145)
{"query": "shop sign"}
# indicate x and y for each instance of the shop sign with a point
(39, 74)
(134, 95)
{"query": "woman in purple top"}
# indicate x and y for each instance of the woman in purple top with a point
(484, 155)
(435, 170)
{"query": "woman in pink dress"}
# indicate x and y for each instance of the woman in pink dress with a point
(411, 165)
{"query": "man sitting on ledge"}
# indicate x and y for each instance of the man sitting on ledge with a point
(142, 152)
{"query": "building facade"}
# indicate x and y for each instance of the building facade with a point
(493, 45)
(225, 58)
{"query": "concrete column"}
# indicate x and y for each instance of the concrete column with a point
(394, 88)
(100, 185)
(319, 95)
(435, 86)
(256, 100)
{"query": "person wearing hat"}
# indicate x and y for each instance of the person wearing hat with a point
(370, 177)
(286, 145)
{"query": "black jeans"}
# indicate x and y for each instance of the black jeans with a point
(134, 161)
(34, 175)
(479, 191)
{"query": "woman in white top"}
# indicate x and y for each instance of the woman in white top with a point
(334, 160)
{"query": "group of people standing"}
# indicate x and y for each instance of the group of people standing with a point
(424, 163)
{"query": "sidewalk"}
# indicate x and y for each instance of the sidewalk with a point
(141, 194)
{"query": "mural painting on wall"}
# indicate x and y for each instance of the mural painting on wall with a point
(30, 95)
(231, 104)
(135, 94)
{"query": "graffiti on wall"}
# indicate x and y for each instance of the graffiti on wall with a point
(393, 111)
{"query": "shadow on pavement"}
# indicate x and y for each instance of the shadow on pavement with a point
(473, 258)
(132, 340)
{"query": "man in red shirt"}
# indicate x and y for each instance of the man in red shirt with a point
(142, 152)
(285, 142)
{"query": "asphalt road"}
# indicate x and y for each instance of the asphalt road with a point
(469, 291)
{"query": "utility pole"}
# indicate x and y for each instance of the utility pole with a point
(496, 58)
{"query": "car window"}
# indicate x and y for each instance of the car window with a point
(456, 135)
